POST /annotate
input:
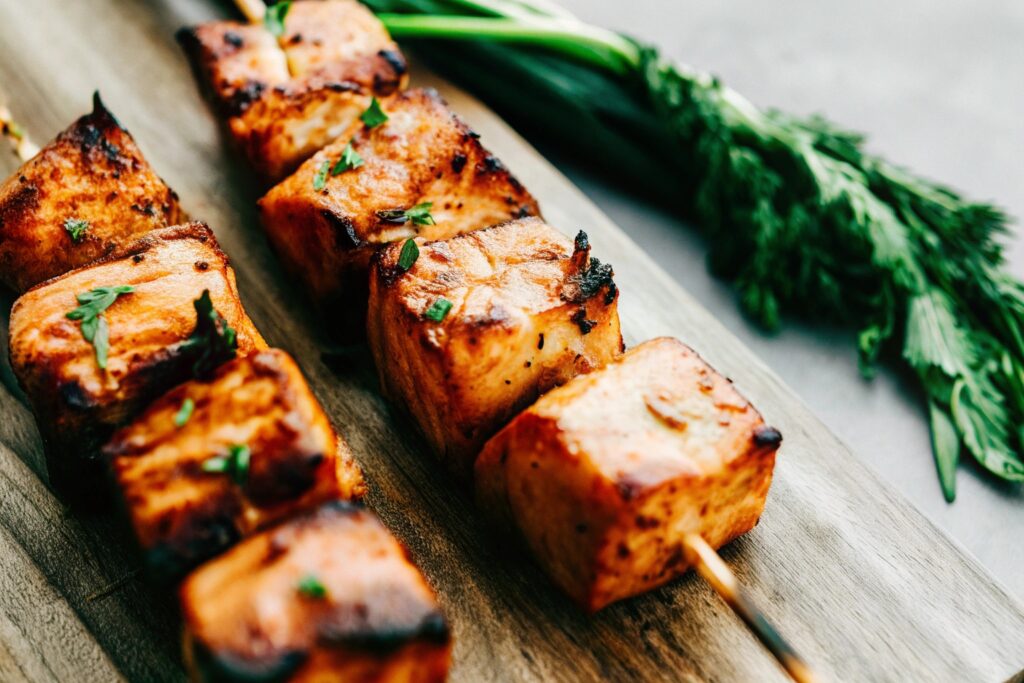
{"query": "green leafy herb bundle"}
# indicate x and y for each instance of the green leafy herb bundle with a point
(800, 218)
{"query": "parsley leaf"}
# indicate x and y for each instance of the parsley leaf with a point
(420, 214)
(309, 586)
(410, 252)
(213, 339)
(349, 159)
(320, 179)
(184, 413)
(235, 464)
(76, 228)
(273, 18)
(94, 325)
(374, 115)
(438, 310)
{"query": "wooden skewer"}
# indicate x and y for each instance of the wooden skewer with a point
(708, 562)
(24, 148)
(712, 567)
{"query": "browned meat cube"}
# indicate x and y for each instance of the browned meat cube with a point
(282, 100)
(484, 323)
(607, 475)
(423, 154)
(214, 460)
(85, 194)
(143, 338)
(330, 596)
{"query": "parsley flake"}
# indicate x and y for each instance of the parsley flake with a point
(374, 115)
(76, 228)
(311, 587)
(438, 310)
(92, 304)
(184, 413)
(420, 214)
(349, 159)
(320, 179)
(214, 339)
(235, 464)
(273, 18)
(410, 252)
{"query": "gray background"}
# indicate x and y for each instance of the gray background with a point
(937, 86)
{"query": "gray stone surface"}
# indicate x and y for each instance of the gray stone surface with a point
(937, 86)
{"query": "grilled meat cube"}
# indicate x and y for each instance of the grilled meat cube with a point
(423, 153)
(605, 476)
(189, 496)
(284, 101)
(78, 404)
(85, 194)
(528, 312)
(327, 596)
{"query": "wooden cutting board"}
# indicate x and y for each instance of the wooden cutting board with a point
(864, 586)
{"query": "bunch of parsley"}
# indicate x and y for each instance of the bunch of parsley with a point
(799, 217)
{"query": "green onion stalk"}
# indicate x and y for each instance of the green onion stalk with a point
(799, 217)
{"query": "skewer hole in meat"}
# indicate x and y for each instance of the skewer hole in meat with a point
(284, 98)
(422, 172)
(82, 196)
(524, 310)
(215, 459)
(329, 596)
(606, 476)
(144, 300)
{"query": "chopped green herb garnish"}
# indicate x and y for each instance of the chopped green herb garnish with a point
(410, 252)
(349, 159)
(320, 179)
(184, 413)
(438, 310)
(374, 115)
(311, 587)
(273, 18)
(94, 325)
(214, 339)
(76, 228)
(420, 214)
(235, 464)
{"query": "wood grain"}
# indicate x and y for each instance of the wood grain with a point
(864, 586)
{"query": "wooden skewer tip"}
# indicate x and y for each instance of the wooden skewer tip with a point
(712, 567)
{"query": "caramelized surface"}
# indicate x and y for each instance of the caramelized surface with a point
(372, 616)
(529, 312)
(423, 153)
(91, 172)
(282, 100)
(76, 403)
(605, 476)
(182, 514)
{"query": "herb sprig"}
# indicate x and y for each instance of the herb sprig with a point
(76, 228)
(273, 17)
(800, 218)
(213, 340)
(235, 464)
(374, 115)
(94, 326)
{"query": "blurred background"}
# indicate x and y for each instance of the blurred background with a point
(935, 85)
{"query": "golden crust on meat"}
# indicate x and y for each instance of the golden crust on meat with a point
(183, 514)
(423, 153)
(327, 596)
(77, 404)
(529, 311)
(91, 172)
(605, 476)
(284, 100)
